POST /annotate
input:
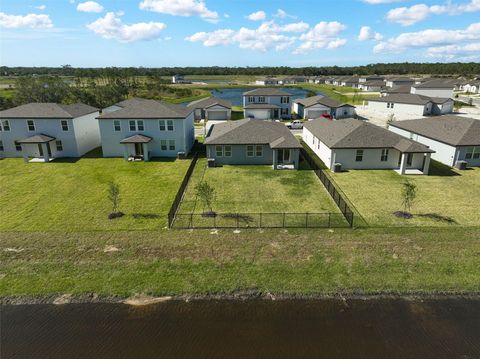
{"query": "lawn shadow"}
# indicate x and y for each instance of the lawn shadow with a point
(146, 216)
(438, 217)
(66, 160)
(439, 169)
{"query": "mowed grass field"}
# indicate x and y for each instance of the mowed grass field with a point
(446, 192)
(254, 189)
(72, 196)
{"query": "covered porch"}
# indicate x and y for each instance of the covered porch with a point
(408, 163)
(36, 149)
(285, 158)
(136, 148)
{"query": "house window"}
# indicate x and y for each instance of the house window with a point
(472, 152)
(261, 99)
(250, 151)
(136, 125)
(161, 125)
(169, 125)
(259, 151)
(163, 145)
(227, 151)
(284, 111)
(251, 99)
(18, 146)
(219, 151)
(59, 145)
(116, 126)
(359, 156)
(171, 145)
(5, 126)
(132, 126)
(1, 146)
(285, 99)
(64, 124)
(384, 157)
(31, 125)
(140, 126)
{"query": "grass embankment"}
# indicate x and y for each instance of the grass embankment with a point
(72, 195)
(254, 189)
(365, 261)
(338, 93)
(445, 192)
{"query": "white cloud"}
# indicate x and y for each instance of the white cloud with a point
(34, 21)
(214, 38)
(366, 33)
(181, 8)
(323, 35)
(456, 52)
(89, 6)
(282, 14)
(257, 16)
(296, 27)
(429, 39)
(407, 16)
(40, 7)
(111, 27)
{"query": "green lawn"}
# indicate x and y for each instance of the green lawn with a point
(72, 196)
(338, 93)
(259, 189)
(447, 192)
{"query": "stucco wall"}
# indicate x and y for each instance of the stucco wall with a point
(239, 156)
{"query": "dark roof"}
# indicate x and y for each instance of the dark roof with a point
(408, 98)
(137, 139)
(322, 100)
(248, 131)
(41, 138)
(209, 102)
(261, 106)
(399, 89)
(48, 110)
(436, 83)
(452, 130)
(147, 109)
(267, 91)
(380, 83)
(351, 133)
(400, 79)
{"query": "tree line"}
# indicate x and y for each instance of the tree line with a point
(470, 69)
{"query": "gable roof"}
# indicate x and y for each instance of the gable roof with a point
(147, 109)
(138, 138)
(322, 100)
(209, 102)
(436, 83)
(452, 130)
(48, 110)
(267, 91)
(411, 99)
(399, 89)
(351, 133)
(40, 138)
(380, 83)
(248, 131)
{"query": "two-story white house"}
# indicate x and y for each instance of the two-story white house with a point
(267, 103)
(45, 131)
(139, 129)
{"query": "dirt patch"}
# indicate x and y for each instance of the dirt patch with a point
(142, 299)
(63, 299)
(14, 250)
(110, 249)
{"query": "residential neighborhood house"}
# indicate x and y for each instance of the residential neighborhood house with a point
(316, 106)
(211, 108)
(251, 142)
(44, 131)
(453, 138)
(434, 88)
(411, 104)
(353, 144)
(139, 129)
(267, 103)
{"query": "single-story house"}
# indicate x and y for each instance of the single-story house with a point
(404, 89)
(434, 88)
(373, 85)
(250, 142)
(411, 104)
(453, 138)
(269, 81)
(139, 129)
(350, 82)
(267, 103)
(394, 82)
(356, 144)
(316, 106)
(211, 108)
(472, 87)
(363, 79)
(45, 131)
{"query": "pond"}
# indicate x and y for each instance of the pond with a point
(329, 328)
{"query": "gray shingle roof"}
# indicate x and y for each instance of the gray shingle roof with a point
(48, 110)
(405, 89)
(267, 91)
(41, 138)
(209, 102)
(248, 131)
(436, 83)
(323, 100)
(147, 109)
(406, 98)
(452, 130)
(351, 133)
(137, 139)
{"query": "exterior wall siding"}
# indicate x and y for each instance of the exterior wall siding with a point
(433, 92)
(87, 133)
(239, 156)
(419, 110)
(273, 100)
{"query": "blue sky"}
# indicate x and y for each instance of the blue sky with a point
(155, 33)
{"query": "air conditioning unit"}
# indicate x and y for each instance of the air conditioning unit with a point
(337, 167)
(461, 165)
(181, 155)
(211, 162)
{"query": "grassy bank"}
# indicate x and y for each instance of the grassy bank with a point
(338, 93)
(366, 261)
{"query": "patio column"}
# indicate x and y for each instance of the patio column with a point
(403, 163)
(125, 152)
(275, 159)
(45, 152)
(426, 165)
(145, 152)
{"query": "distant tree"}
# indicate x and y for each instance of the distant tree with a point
(206, 193)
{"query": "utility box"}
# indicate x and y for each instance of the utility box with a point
(337, 167)
(461, 165)
(181, 155)
(211, 162)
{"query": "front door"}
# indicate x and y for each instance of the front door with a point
(283, 156)
(275, 113)
(138, 149)
(40, 149)
(409, 159)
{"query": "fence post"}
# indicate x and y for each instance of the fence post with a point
(329, 218)
(191, 220)
(214, 220)
(260, 219)
(237, 220)
(306, 220)
(283, 223)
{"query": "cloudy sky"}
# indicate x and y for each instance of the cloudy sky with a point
(236, 32)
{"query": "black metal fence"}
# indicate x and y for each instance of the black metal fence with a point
(330, 186)
(259, 220)
(181, 191)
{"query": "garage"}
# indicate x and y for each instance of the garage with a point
(217, 115)
(315, 113)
